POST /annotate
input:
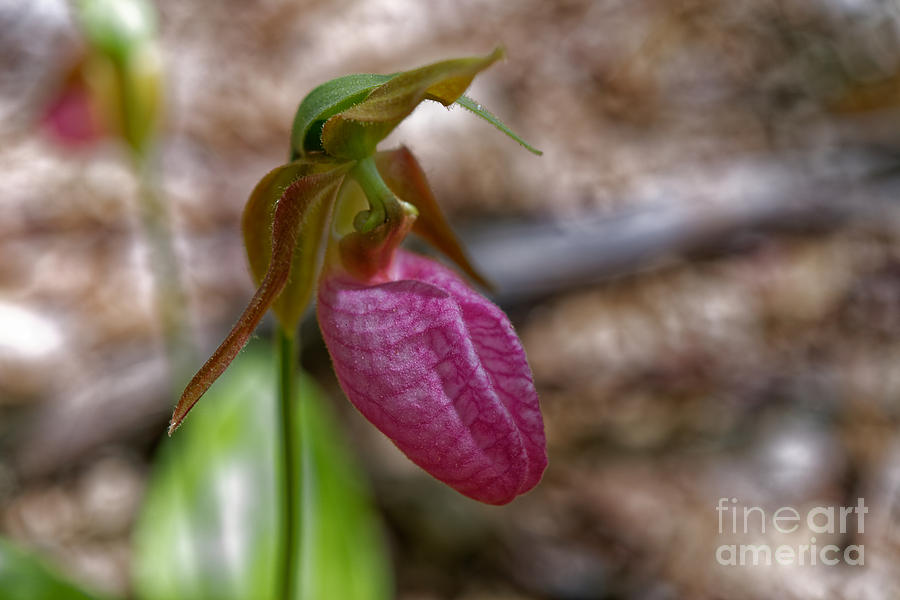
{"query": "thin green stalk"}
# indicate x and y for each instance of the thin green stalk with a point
(170, 295)
(287, 352)
(377, 192)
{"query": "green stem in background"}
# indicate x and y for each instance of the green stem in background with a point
(170, 295)
(287, 400)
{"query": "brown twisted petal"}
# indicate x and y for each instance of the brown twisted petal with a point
(405, 177)
(290, 213)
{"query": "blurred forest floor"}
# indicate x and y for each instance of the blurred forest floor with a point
(704, 267)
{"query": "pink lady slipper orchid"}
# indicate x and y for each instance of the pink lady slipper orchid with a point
(428, 360)
(439, 370)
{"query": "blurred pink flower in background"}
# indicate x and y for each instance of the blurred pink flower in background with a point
(70, 117)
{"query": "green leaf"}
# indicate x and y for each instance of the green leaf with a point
(24, 577)
(210, 528)
(479, 110)
(326, 101)
(353, 133)
(342, 551)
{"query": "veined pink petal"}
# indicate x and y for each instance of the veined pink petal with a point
(439, 370)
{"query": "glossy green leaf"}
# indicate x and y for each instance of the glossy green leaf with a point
(291, 213)
(24, 577)
(482, 112)
(354, 132)
(210, 528)
(326, 101)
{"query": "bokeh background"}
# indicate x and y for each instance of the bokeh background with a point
(704, 268)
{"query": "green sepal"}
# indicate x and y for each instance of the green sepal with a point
(353, 133)
(325, 101)
(479, 110)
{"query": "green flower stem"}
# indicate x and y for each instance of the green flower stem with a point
(170, 295)
(287, 352)
(377, 192)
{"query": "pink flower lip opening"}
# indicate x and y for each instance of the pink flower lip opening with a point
(439, 370)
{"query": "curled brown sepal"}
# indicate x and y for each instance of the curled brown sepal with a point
(405, 177)
(256, 225)
(301, 196)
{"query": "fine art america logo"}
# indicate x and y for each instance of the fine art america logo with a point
(787, 523)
